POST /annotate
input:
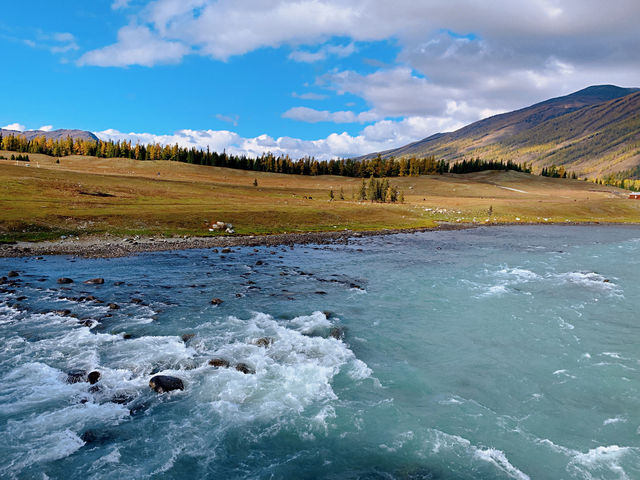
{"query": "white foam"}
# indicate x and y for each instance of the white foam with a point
(613, 420)
(499, 460)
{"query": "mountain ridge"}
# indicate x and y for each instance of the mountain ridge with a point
(510, 135)
(59, 134)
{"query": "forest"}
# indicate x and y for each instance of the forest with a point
(268, 162)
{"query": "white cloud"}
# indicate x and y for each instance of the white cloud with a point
(458, 61)
(118, 4)
(15, 126)
(233, 119)
(136, 45)
(323, 53)
(311, 115)
(46, 128)
(309, 96)
(382, 135)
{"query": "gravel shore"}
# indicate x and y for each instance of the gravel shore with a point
(106, 246)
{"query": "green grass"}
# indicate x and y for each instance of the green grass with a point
(47, 200)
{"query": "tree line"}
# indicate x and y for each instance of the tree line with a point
(268, 162)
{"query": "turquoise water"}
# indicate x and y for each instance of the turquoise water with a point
(491, 353)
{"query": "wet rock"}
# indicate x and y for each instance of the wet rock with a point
(165, 383)
(3, 280)
(64, 280)
(89, 298)
(13, 273)
(117, 284)
(93, 436)
(244, 368)
(226, 250)
(62, 313)
(259, 262)
(127, 336)
(21, 298)
(114, 306)
(95, 281)
(76, 376)
(93, 377)
(337, 333)
(187, 336)
(606, 280)
(264, 342)
(122, 398)
(137, 301)
(320, 292)
(219, 363)
(216, 301)
(96, 389)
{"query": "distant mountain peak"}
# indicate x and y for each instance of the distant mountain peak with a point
(593, 131)
(59, 134)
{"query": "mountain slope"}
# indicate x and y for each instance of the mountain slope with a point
(53, 134)
(594, 131)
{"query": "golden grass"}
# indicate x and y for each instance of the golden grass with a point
(47, 199)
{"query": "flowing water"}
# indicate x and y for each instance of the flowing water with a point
(492, 353)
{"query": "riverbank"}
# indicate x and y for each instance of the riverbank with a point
(109, 246)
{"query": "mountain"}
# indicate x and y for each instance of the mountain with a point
(592, 132)
(53, 134)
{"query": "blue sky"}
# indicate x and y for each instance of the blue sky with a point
(318, 77)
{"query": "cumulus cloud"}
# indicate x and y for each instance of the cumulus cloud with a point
(137, 45)
(323, 53)
(311, 115)
(382, 135)
(46, 128)
(457, 61)
(15, 126)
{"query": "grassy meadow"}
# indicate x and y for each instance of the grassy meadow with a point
(88, 195)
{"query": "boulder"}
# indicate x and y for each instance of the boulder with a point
(114, 306)
(13, 273)
(259, 262)
(93, 377)
(244, 368)
(187, 336)
(264, 342)
(226, 250)
(216, 301)
(137, 301)
(64, 280)
(337, 333)
(94, 281)
(219, 363)
(76, 376)
(165, 383)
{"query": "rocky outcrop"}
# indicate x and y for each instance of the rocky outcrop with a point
(165, 383)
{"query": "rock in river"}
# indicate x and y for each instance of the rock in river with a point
(165, 383)
(216, 301)
(93, 377)
(244, 368)
(219, 363)
(63, 280)
(95, 281)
